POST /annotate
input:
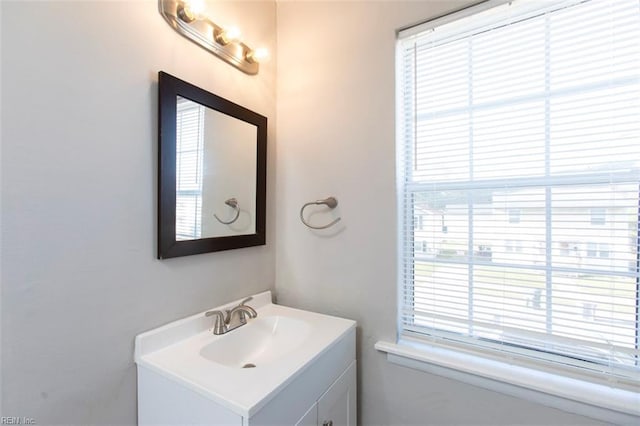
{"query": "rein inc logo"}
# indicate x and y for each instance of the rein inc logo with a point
(16, 420)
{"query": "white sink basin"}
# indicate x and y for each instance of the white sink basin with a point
(261, 342)
(280, 342)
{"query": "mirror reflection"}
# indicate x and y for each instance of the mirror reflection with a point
(215, 173)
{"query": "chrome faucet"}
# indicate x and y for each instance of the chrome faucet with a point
(232, 318)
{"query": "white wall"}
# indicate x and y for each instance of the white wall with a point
(229, 171)
(336, 137)
(79, 147)
(1, 213)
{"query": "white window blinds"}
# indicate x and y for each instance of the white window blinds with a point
(519, 147)
(189, 173)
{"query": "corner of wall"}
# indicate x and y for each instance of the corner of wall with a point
(1, 280)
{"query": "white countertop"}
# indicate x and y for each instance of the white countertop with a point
(174, 351)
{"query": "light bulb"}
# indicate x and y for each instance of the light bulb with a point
(228, 35)
(232, 34)
(260, 54)
(190, 10)
(197, 7)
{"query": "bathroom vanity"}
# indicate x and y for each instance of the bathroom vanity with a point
(284, 367)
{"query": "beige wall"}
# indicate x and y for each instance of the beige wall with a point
(79, 151)
(336, 137)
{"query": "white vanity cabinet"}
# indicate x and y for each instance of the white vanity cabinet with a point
(337, 406)
(161, 402)
(304, 374)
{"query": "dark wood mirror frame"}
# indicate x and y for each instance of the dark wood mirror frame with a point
(169, 88)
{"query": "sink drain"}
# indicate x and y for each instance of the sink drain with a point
(249, 365)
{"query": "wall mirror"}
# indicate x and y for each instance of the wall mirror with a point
(211, 172)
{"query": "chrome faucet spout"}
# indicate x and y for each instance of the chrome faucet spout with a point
(245, 309)
(242, 312)
(252, 312)
(232, 318)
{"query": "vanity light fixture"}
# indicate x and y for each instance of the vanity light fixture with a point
(187, 18)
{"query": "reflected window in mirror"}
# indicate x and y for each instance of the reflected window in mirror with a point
(189, 158)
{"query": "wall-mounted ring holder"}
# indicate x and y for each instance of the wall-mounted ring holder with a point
(330, 202)
(233, 203)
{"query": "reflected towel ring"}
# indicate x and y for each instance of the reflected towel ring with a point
(233, 203)
(330, 202)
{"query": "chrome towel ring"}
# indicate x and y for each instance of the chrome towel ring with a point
(330, 202)
(233, 203)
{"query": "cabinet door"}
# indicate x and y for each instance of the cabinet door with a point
(337, 407)
(310, 418)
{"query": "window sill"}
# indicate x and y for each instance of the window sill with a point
(568, 394)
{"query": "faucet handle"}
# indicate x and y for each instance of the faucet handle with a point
(212, 313)
(219, 323)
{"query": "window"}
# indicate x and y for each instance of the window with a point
(527, 113)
